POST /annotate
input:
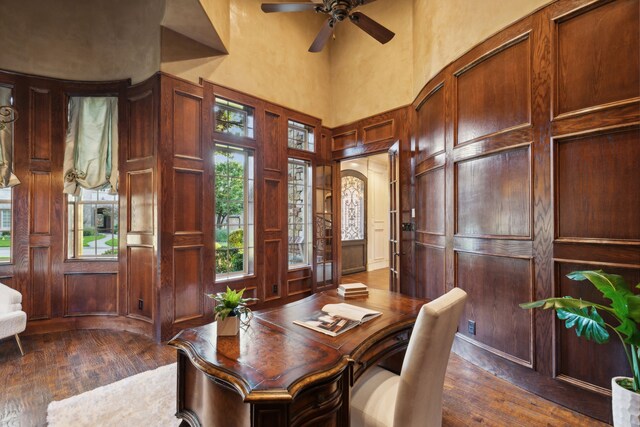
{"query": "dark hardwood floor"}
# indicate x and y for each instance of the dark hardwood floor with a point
(63, 364)
(377, 279)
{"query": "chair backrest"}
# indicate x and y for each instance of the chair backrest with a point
(419, 400)
(10, 299)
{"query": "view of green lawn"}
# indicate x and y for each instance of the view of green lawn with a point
(5, 242)
(88, 239)
(112, 242)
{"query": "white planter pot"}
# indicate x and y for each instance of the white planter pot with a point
(625, 405)
(229, 326)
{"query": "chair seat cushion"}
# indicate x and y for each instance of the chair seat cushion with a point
(12, 323)
(373, 398)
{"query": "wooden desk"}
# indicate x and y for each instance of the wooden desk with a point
(276, 373)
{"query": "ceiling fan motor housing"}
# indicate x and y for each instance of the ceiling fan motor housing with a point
(339, 9)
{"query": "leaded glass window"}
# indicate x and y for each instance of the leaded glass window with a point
(299, 212)
(233, 118)
(353, 209)
(92, 229)
(301, 136)
(234, 211)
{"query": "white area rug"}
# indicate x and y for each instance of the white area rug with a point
(147, 399)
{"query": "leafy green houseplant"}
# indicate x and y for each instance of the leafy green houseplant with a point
(229, 306)
(594, 321)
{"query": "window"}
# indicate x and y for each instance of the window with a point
(233, 118)
(93, 224)
(5, 225)
(353, 206)
(234, 211)
(300, 136)
(299, 213)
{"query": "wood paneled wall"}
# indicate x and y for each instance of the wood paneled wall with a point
(159, 282)
(526, 153)
(187, 141)
(58, 293)
(374, 135)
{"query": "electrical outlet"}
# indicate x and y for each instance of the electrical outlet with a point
(140, 304)
(274, 289)
(471, 326)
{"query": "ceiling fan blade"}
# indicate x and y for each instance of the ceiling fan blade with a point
(371, 27)
(289, 7)
(323, 37)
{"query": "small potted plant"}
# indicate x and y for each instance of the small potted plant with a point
(622, 316)
(229, 308)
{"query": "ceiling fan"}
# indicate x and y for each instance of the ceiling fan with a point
(338, 11)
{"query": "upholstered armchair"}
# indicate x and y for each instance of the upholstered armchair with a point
(413, 398)
(12, 319)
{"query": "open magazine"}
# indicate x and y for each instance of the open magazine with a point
(335, 319)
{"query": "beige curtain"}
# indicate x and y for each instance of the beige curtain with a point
(91, 150)
(7, 178)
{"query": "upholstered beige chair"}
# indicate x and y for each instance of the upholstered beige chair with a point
(12, 319)
(413, 398)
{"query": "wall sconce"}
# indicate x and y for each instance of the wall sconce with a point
(8, 114)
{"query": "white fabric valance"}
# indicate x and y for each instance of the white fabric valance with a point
(91, 149)
(7, 178)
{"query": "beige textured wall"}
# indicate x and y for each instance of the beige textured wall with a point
(81, 40)
(218, 12)
(267, 58)
(445, 29)
(366, 76)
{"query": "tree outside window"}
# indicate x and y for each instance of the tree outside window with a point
(234, 211)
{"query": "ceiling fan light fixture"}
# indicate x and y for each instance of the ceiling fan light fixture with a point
(338, 11)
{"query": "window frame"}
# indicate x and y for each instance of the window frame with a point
(244, 109)
(70, 247)
(307, 223)
(248, 224)
(310, 132)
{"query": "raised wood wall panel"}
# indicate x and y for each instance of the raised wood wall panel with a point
(430, 125)
(431, 272)
(188, 196)
(344, 140)
(41, 203)
(493, 195)
(504, 101)
(495, 285)
(597, 56)
(187, 282)
(140, 202)
(540, 132)
(187, 116)
(40, 123)
(272, 272)
(40, 289)
(138, 272)
(598, 197)
(577, 356)
(90, 294)
(141, 270)
(273, 153)
(378, 131)
(142, 132)
(430, 198)
(272, 216)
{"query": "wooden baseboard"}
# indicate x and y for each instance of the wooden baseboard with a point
(37, 327)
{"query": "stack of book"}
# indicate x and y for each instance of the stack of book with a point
(348, 290)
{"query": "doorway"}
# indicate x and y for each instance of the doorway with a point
(364, 214)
